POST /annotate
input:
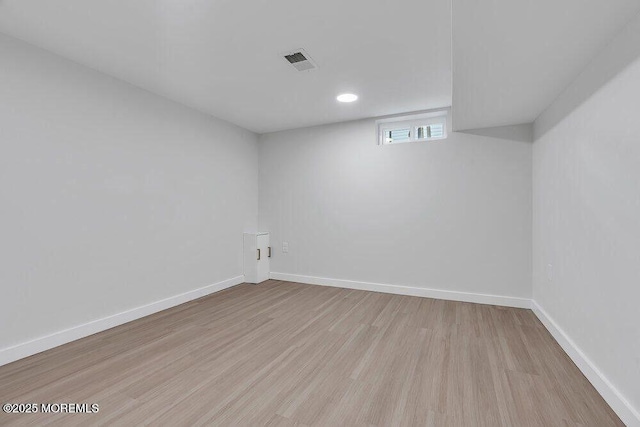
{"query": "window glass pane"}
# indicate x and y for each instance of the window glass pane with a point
(435, 130)
(397, 135)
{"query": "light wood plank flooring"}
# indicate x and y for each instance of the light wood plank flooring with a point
(284, 354)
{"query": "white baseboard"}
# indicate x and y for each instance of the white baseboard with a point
(621, 406)
(11, 354)
(407, 290)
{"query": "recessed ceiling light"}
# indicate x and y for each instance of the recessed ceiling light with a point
(347, 97)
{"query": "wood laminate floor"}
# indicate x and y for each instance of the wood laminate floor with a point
(285, 354)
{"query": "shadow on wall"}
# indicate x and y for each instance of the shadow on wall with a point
(521, 133)
(621, 52)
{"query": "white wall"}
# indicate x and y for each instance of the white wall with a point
(111, 197)
(587, 219)
(453, 215)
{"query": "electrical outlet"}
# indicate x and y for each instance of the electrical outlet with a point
(550, 272)
(285, 247)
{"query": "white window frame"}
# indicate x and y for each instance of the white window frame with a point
(412, 122)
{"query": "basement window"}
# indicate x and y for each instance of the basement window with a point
(412, 128)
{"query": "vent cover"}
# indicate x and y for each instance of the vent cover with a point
(300, 60)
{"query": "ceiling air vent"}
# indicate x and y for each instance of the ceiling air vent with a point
(300, 60)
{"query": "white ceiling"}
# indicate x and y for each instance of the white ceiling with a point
(512, 58)
(223, 57)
